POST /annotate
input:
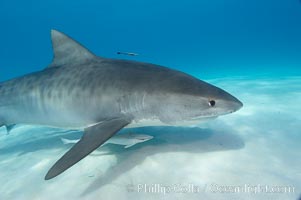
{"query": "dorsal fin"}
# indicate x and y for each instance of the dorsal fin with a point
(66, 50)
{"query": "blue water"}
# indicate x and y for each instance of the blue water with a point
(207, 38)
(250, 48)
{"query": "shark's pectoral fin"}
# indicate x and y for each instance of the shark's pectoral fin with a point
(94, 136)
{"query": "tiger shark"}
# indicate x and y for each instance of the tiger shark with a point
(101, 96)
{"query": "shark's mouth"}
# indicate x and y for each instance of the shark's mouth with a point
(203, 118)
(200, 119)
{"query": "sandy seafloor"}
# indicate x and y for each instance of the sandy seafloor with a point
(258, 145)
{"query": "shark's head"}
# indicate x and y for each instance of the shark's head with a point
(184, 98)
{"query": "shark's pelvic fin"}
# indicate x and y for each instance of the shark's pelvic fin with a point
(10, 127)
(67, 50)
(93, 137)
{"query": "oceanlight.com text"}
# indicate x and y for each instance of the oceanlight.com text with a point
(210, 188)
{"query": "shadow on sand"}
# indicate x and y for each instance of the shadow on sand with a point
(24, 139)
(166, 139)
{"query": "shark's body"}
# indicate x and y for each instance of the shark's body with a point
(127, 140)
(82, 91)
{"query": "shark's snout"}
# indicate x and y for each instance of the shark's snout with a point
(239, 105)
(233, 105)
(236, 105)
(226, 103)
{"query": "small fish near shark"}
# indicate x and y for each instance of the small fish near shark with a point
(128, 53)
(82, 91)
(127, 139)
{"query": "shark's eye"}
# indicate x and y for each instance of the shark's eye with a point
(211, 103)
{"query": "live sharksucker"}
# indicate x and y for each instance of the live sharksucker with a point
(127, 139)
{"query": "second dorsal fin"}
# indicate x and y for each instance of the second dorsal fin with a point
(66, 50)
